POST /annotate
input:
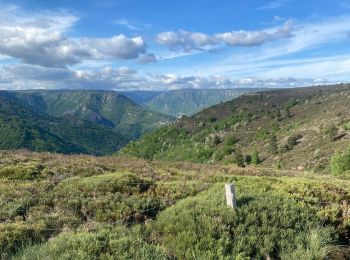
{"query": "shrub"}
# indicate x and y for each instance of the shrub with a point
(291, 142)
(231, 140)
(340, 162)
(262, 134)
(248, 159)
(216, 140)
(273, 144)
(255, 157)
(224, 151)
(21, 171)
(331, 131)
(346, 126)
(106, 243)
(268, 226)
(15, 235)
(238, 158)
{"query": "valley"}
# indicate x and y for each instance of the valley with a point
(292, 202)
(92, 122)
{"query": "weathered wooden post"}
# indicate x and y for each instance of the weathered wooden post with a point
(230, 195)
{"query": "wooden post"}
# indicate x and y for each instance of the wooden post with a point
(230, 195)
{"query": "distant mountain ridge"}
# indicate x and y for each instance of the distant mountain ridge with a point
(185, 101)
(94, 122)
(107, 108)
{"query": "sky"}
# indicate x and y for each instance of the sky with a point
(164, 45)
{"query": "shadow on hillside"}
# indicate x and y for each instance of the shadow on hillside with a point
(244, 200)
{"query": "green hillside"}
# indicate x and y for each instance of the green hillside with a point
(107, 108)
(291, 128)
(22, 127)
(184, 101)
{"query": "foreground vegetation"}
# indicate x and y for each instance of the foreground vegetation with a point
(82, 207)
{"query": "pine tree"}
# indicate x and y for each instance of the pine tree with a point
(273, 144)
(255, 158)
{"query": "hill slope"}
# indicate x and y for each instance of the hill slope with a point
(106, 108)
(184, 101)
(22, 127)
(291, 128)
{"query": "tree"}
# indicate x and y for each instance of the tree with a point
(255, 157)
(238, 157)
(273, 144)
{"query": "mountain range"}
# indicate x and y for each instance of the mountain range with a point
(184, 101)
(94, 122)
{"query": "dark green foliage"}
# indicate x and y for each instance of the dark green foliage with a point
(25, 124)
(216, 140)
(212, 119)
(238, 157)
(106, 108)
(291, 103)
(291, 142)
(273, 146)
(255, 158)
(248, 159)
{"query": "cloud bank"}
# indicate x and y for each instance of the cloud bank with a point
(44, 40)
(123, 78)
(190, 41)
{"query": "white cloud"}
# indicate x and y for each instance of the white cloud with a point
(42, 39)
(127, 24)
(273, 5)
(123, 78)
(190, 41)
(253, 38)
(184, 40)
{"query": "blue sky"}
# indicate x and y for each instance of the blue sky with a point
(134, 44)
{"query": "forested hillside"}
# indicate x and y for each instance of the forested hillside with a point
(106, 108)
(289, 129)
(21, 127)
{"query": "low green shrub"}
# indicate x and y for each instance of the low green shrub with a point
(266, 224)
(105, 243)
(21, 171)
(340, 162)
